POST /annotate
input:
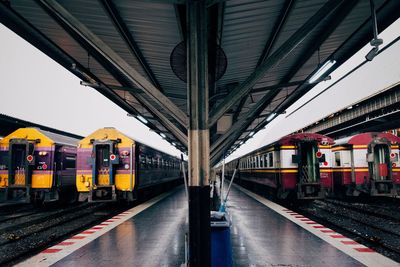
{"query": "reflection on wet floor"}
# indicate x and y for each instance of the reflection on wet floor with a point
(261, 237)
(154, 237)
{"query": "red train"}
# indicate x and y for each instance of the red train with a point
(366, 163)
(296, 166)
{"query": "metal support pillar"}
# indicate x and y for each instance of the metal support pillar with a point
(198, 135)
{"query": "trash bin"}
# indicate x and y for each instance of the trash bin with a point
(221, 248)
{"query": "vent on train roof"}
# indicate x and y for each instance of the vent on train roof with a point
(178, 62)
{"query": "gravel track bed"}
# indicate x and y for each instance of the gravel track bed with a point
(19, 232)
(38, 217)
(15, 216)
(21, 243)
(380, 234)
(387, 210)
(389, 226)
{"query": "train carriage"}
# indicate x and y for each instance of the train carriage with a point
(112, 166)
(367, 163)
(37, 166)
(296, 166)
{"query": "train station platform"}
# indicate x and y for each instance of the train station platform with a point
(262, 234)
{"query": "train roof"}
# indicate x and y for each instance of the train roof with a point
(36, 133)
(366, 138)
(113, 134)
(59, 138)
(297, 137)
(293, 139)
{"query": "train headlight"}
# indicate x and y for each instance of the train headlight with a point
(126, 166)
(87, 184)
(42, 153)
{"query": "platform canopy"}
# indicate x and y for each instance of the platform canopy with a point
(261, 54)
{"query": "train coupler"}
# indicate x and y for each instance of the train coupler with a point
(102, 194)
(310, 191)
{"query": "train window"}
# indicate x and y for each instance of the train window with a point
(270, 159)
(337, 159)
(266, 160)
(262, 161)
(142, 160)
(102, 155)
(69, 162)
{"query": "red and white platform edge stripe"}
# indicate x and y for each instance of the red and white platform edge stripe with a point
(57, 252)
(352, 248)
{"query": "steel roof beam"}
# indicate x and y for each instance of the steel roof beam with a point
(180, 14)
(19, 25)
(384, 21)
(263, 89)
(165, 121)
(155, 112)
(283, 51)
(114, 59)
(338, 16)
(226, 139)
(123, 30)
(267, 49)
(240, 125)
(277, 30)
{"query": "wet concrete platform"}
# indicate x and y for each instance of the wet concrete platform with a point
(261, 237)
(155, 237)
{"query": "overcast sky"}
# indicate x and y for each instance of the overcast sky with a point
(37, 89)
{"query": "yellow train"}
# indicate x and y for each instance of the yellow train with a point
(37, 166)
(112, 166)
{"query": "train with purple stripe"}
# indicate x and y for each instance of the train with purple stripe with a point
(37, 166)
(297, 166)
(112, 166)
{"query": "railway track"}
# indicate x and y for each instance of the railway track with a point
(368, 225)
(388, 210)
(26, 234)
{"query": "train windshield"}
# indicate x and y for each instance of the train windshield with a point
(380, 166)
(308, 165)
(18, 163)
(102, 156)
(103, 164)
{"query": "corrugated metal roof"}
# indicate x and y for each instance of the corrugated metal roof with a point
(245, 30)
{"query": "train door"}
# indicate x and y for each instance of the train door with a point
(102, 157)
(380, 171)
(309, 164)
(308, 171)
(58, 167)
(103, 171)
(21, 160)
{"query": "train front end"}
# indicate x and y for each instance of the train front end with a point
(308, 169)
(106, 169)
(367, 164)
(26, 167)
